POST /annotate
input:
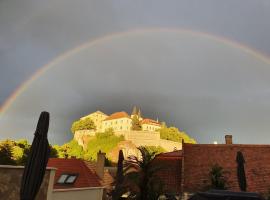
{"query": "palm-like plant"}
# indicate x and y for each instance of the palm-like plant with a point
(141, 176)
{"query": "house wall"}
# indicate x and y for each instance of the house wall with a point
(10, 182)
(169, 173)
(150, 127)
(119, 124)
(78, 194)
(97, 117)
(198, 160)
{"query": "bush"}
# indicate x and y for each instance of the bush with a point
(108, 133)
(155, 150)
(68, 150)
(218, 180)
(173, 134)
(103, 141)
(85, 124)
(6, 155)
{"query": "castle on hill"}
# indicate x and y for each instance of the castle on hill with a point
(121, 121)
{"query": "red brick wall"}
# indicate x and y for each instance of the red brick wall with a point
(199, 158)
(170, 173)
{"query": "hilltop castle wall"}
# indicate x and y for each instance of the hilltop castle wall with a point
(82, 137)
(170, 145)
(138, 138)
(149, 138)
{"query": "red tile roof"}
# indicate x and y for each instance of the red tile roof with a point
(198, 160)
(117, 115)
(170, 173)
(150, 121)
(108, 179)
(86, 177)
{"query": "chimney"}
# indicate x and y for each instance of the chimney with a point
(228, 139)
(100, 164)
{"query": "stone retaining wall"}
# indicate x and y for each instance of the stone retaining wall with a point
(138, 138)
(10, 183)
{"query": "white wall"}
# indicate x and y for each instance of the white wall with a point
(78, 194)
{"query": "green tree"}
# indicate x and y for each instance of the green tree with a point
(217, 177)
(6, 157)
(53, 152)
(105, 141)
(141, 177)
(155, 150)
(83, 124)
(136, 125)
(21, 151)
(68, 150)
(173, 134)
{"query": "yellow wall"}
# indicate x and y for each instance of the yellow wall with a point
(97, 118)
(120, 124)
(150, 127)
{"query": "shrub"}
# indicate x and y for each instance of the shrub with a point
(103, 141)
(218, 180)
(173, 134)
(83, 124)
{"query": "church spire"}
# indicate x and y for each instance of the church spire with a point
(134, 111)
(139, 113)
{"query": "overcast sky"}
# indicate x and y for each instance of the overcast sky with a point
(201, 85)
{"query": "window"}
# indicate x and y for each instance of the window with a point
(67, 179)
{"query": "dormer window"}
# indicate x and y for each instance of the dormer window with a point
(67, 178)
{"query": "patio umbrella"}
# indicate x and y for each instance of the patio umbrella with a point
(37, 160)
(241, 171)
(119, 190)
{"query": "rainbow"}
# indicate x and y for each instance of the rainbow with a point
(92, 42)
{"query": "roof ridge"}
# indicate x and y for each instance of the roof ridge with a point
(87, 171)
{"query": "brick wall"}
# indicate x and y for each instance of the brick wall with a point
(199, 158)
(170, 173)
(10, 181)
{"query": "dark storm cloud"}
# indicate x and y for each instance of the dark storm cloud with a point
(196, 83)
(32, 33)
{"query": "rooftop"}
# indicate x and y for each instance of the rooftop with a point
(85, 177)
(150, 121)
(117, 115)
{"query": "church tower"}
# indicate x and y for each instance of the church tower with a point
(136, 111)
